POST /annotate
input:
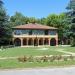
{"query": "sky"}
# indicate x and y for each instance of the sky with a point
(35, 8)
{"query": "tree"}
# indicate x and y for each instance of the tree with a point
(18, 19)
(1, 3)
(5, 32)
(71, 20)
(43, 21)
(51, 20)
(59, 22)
(32, 19)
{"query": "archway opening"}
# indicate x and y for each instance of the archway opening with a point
(24, 41)
(17, 42)
(35, 42)
(53, 42)
(46, 42)
(41, 41)
(30, 41)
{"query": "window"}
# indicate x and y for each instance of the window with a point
(17, 32)
(52, 32)
(26, 32)
(20, 32)
(38, 32)
(30, 32)
(46, 32)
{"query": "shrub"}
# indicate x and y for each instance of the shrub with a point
(38, 59)
(30, 59)
(65, 58)
(71, 57)
(44, 58)
(52, 58)
(22, 59)
(59, 57)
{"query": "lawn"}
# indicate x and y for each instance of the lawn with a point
(11, 64)
(70, 49)
(32, 51)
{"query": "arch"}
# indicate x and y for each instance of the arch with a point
(46, 41)
(24, 41)
(17, 42)
(35, 42)
(41, 41)
(53, 42)
(30, 41)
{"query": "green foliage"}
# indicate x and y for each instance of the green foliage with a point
(43, 21)
(59, 22)
(5, 31)
(1, 3)
(44, 58)
(71, 57)
(71, 5)
(52, 58)
(71, 18)
(30, 59)
(59, 57)
(22, 59)
(65, 58)
(18, 19)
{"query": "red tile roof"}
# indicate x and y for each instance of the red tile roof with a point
(33, 26)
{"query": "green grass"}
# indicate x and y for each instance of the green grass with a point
(34, 51)
(70, 49)
(10, 64)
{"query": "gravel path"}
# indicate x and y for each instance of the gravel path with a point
(66, 52)
(47, 71)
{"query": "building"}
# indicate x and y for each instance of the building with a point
(34, 34)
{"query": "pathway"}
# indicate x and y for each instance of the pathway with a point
(46, 71)
(66, 52)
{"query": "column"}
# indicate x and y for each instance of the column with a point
(56, 41)
(21, 42)
(33, 41)
(49, 41)
(38, 41)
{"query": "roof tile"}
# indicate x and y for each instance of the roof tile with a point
(33, 26)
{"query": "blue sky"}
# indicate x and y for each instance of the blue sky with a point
(36, 8)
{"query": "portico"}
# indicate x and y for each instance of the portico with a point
(35, 42)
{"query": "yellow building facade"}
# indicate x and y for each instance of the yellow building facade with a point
(35, 35)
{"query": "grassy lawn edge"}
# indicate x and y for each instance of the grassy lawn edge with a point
(14, 64)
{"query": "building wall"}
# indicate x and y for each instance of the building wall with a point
(30, 37)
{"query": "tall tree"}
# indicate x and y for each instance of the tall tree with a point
(4, 25)
(18, 19)
(71, 20)
(1, 3)
(59, 22)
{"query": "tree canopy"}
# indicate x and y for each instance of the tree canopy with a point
(71, 20)
(4, 25)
